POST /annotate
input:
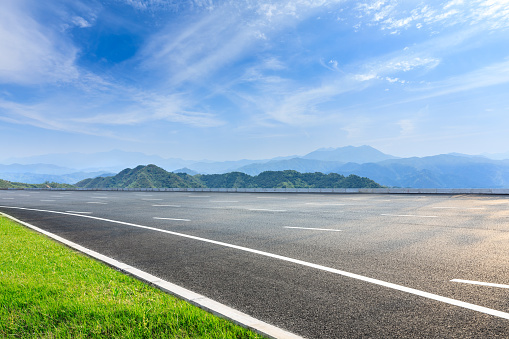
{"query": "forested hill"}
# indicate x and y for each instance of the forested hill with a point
(9, 184)
(151, 176)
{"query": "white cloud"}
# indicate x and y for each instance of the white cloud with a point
(31, 53)
(80, 22)
(396, 16)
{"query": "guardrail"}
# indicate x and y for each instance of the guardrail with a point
(488, 191)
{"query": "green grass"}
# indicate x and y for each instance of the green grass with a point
(50, 291)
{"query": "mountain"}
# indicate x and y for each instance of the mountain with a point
(36, 168)
(38, 173)
(149, 176)
(8, 184)
(219, 167)
(152, 176)
(185, 170)
(296, 164)
(112, 161)
(439, 171)
(34, 178)
(359, 155)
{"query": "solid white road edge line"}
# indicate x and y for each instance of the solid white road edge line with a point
(196, 299)
(480, 283)
(397, 287)
(314, 229)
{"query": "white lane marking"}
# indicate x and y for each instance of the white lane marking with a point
(47, 200)
(198, 196)
(265, 210)
(97, 202)
(461, 208)
(386, 284)
(150, 199)
(99, 197)
(8, 198)
(79, 212)
(223, 201)
(324, 204)
(194, 298)
(314, 229)
(480, 283)
(56, 196)
(271, 198)
(175, 219)
(144, 195)
(166, 205)
(410, 215)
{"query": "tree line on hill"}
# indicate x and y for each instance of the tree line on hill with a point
(10, 184)
(151, 176)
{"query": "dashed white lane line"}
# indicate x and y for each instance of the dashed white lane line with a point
(410, 215)
(79, 212)
(8, 198)
(47, 200)
(480, 283)
(324, 204)
(386, 284)
(223, 201)
(196, 299)
(151, 199)
(274, 198)
(174, 219)
(166, 206)
(314, 229)
(97, 202)
(99, 197)
(460, 208)
(265, 210)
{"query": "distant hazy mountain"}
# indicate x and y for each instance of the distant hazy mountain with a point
(185, 170)
(296, 164)
(35, 178)
(359, 155)
(112, 161)
(497, 156)
(36, 169)
(441, 171)
(221, 166)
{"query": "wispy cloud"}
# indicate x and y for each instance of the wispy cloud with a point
(395, 16)
(31, 53)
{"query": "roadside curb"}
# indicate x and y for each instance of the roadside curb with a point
(193, 298)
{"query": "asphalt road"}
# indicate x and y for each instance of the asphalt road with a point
(318, 265)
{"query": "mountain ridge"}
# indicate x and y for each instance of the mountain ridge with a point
(152, 176)
(438, 171)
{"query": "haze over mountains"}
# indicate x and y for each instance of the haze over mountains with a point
(439, 171)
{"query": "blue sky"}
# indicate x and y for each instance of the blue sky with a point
(227, 80)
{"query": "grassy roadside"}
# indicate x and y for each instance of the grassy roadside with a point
(50, 291)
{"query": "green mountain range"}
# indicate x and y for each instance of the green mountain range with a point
(151, 176)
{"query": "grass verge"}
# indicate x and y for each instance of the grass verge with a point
(50, 291)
